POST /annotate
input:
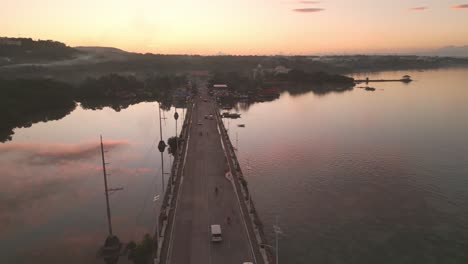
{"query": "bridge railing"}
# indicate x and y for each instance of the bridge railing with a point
(239, 176)
(166, 212)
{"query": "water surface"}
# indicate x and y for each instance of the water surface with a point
(363, 177)
(354, 177)
(52, 205)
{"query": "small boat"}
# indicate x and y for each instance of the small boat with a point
(370, 89)
(406, 79)
(241, 125)
(229, 115)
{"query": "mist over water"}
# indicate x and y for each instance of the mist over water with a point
(354, 177)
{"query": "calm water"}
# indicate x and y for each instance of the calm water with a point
(354, 177)
(52, 206)
(363, 177)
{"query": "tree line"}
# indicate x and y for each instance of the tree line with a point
(27, 101)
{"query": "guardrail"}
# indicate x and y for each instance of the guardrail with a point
(238, 176)
(170, 196)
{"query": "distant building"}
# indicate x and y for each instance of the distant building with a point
(281, 70)
(258, 72)
(10, 42)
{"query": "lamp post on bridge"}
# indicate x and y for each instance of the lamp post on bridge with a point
(176, 157)
(278, 231)
(161, 148)
(156, 255)
(155, 199)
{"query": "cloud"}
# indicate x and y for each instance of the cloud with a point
(308, 10)
(420, 8)
(305, 2)
(463, 6)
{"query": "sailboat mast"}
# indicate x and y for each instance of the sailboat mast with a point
(106, 190)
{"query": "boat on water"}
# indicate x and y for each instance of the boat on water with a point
(370, 89)
(231, 115)
(241, 125)
(406, 79)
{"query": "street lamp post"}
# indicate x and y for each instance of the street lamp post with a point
(156, 254)
(161, 147)
(278, 231)
(176, 154)
(155, 199)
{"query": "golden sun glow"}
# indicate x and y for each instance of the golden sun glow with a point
(239, 27)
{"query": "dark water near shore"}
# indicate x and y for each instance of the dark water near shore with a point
(354, 177)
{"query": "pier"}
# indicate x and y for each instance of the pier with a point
(404, 79)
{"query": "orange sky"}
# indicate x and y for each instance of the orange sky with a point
(241, 26)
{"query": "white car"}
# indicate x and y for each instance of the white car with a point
(216, 235)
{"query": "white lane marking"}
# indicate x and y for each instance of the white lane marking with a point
(169, 250)
(238, 199)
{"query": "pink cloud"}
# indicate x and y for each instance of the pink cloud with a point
(144, 170)
(308, 10)
(421, 8)
(301, 2)
(463, 6)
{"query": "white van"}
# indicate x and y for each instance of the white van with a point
(216, 233)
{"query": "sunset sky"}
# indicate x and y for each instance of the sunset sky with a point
(241, 26)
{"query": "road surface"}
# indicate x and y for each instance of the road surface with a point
(198, 206)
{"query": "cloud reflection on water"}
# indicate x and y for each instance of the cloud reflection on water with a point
(49, 154)
(37, 174)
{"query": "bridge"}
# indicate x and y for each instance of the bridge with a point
(206, 161)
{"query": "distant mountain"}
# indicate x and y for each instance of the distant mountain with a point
(449, 51)
(100, 49)
(106, 53)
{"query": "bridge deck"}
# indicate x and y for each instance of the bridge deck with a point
(198, 206)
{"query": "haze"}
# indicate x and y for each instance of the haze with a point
(242, 26)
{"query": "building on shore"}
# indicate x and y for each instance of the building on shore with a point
(10, 42)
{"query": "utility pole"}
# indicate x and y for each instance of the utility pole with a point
(161, 147)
